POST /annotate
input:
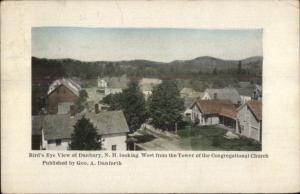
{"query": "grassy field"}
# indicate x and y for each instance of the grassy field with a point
(212, 138)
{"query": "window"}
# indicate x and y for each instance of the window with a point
(114, 147)
(51, 141)
(58, 142)
(64, 90)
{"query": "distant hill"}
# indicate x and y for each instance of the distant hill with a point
(42, 67)
(208, 64)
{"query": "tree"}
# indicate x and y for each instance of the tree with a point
(215, 72)
(239, 71)
(84, 136)
(132, 102)
(81, 101)
(165, 105)
(114, 101)
(134, 106)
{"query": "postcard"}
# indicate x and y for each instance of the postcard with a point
(150, 96)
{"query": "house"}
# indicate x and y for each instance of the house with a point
(64, 107)
(61, 91)
(36, 132)
(185, 92)
(147, 84)
(111, 85)
(246, 94)
(249, 120)
(213, 112)
(95, 95)
(115, 84)
(258, 92)
(223, 94)
(189, 100)
(56, 130)
(249, 91)
(101, 83)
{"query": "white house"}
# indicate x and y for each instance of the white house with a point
(101, 83)
(212, 112)
(116, 84)
(189, 99)
(188, 102)
(249, 120)
(56, 130)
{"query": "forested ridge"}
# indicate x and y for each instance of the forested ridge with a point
(201, 66)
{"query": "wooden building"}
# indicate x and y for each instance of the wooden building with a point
(61, 91)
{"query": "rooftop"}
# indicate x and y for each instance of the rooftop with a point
(62, 126)
(256, 107)
(221, 107)
(69, 83)
(225, 94)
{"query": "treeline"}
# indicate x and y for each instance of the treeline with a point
(205, 67)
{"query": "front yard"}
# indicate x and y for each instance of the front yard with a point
(212, 138)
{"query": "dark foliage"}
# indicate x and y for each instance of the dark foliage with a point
(165, 105)
(132, 102)
(84, 136)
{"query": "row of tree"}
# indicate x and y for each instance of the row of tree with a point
(163, 108)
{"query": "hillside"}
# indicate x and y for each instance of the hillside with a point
(144, 68)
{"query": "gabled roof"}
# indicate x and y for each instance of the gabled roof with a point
(221, 107)
(256, 107)
(245, 84)
(62, 126)
(69, 83)
(246, 91)
(225, 94)
(188, 101)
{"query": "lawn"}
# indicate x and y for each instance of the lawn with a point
(212, 138)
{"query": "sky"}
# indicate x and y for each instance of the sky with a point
(156, 44)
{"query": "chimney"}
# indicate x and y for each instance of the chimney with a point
(215, 96)
(97, 108)
(72, 111)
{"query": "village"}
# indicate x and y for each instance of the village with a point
(217, 118)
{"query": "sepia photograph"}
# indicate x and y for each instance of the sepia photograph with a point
(151, 89)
